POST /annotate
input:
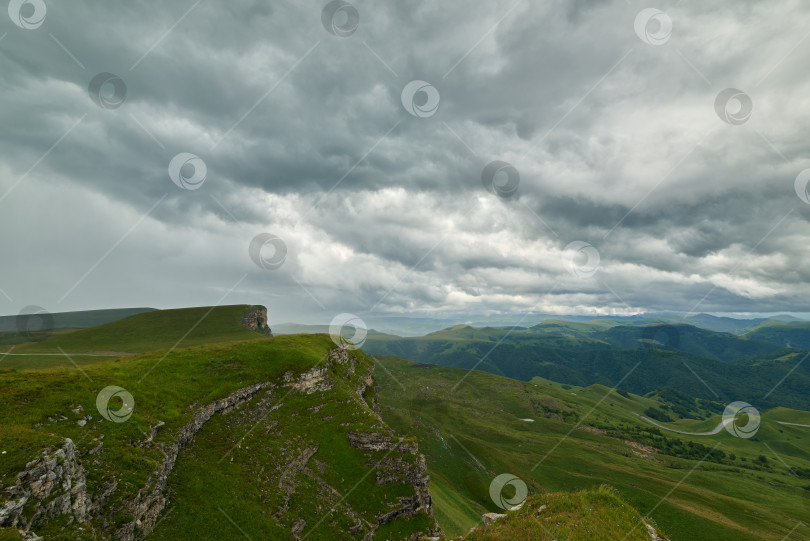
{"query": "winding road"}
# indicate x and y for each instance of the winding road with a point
(792, 424)
(719, 428)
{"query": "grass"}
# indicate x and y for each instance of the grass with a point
(140, 333)
(589, 515)
(169, 388)
(232, 476)
(475, 433)
(85, 318)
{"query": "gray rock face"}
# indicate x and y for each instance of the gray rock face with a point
(51, 485)
(314, 380)
(393, 467)
(255, 319)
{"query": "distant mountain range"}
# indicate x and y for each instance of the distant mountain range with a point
(419, 326)
(637, 358)
(64, 320)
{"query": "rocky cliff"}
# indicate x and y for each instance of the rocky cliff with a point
(306, 445)
(255, 319)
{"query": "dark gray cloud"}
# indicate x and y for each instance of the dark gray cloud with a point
(303, 134)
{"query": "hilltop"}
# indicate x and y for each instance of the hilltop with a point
(140, 333)
(270, 437)
(589, 515)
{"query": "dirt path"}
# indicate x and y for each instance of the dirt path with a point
(719, 428)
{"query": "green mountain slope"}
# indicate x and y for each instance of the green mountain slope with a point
(718, 346)
(649, 366)
(589, 515)
(274, 438)
(149, 331)
(561, 438)
(791, 334)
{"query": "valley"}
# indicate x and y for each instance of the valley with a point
(228, 431)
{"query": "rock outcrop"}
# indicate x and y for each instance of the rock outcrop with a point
(255, 319)
(489, 518)
(396, 466)
(54, 485)
(49, 486)
(151, 499)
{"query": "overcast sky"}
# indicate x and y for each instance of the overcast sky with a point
(355, 139)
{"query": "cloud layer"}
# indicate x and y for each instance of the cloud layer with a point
(609, 119)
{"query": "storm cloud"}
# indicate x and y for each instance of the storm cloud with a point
(296, 113)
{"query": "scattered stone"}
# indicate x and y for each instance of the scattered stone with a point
(299, 526)
(489, 518)
(653, 534)
(97, 449)
(518, 506)
(541, 508)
